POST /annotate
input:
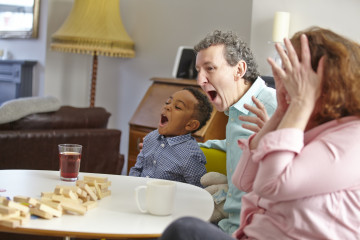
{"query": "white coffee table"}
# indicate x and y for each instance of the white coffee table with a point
(115, 217)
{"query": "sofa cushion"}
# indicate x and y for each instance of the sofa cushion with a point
(18, 108)
(67, 117)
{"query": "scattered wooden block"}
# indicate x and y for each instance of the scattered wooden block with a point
(74, 207)
(10, 215)
(16, 205)
(104, 185)
(106, 193)
(97, 179)
(86, 187)
(61, 199)
(55, 205)
(70, 194)
(40, 213)
(2, 199)
(98, 191)
(90, 205)
(47, 194)
(7, 210)
(48, 209)
(23, 199)
(11, 223)
(22, 220)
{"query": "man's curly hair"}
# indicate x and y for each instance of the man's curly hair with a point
(235, 50)
(203, 109)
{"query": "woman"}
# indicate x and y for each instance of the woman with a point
(302, 168)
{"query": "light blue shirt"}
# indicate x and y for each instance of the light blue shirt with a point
(176, 158)
(235, 131)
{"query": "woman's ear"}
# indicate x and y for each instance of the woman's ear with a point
(192, 125)
(241, 69)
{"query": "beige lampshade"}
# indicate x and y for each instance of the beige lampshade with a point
(281, 26)
(94, 27)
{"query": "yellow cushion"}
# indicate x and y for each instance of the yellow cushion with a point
(216, 160)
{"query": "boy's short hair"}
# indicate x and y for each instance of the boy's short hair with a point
(203, 109)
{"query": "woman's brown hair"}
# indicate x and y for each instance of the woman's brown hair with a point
(340, 93)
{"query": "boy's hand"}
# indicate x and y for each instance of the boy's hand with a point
(259, 120)
(140, 144)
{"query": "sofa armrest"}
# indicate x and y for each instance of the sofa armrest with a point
(38, 149)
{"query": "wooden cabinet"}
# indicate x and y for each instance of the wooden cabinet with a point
(147, 115)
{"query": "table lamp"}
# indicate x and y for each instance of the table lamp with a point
(281, 26)
(280, 31)
(94, 27)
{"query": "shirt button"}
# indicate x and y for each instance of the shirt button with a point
(228, 144)
(162, 145)
(154, 161)
(230, 170)
(232, 119)
(229, 194)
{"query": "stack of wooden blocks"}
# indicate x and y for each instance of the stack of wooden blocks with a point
(63, 200)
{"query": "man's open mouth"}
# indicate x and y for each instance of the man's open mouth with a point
(212, 94)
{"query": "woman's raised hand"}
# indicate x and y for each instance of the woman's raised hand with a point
(300, 81)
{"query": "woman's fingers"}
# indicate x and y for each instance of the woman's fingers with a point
(305, 51)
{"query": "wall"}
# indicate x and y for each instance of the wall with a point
(339, 16)
(158, 28)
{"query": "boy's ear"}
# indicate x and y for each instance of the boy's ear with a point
(192, 125)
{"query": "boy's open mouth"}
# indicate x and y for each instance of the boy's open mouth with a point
(163, 119)
(212, 94)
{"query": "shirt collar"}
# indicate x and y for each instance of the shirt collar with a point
(174, 140)
(254, 90)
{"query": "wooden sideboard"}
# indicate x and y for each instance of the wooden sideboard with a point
(147, 115)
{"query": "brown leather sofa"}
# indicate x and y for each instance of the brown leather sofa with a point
(32, 141)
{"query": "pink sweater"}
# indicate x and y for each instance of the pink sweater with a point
(302, 186)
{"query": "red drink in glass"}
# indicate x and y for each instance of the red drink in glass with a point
(69, 165)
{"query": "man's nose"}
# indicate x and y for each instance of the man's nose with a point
(201, 79)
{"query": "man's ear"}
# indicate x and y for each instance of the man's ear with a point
(241, 69)
(192, 125)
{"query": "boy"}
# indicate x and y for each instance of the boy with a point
(170, 152)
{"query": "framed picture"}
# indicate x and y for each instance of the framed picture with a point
(184, 66)
(19, 18)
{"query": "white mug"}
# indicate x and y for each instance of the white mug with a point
(159, 197)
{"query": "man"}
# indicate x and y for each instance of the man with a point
(227, 72)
